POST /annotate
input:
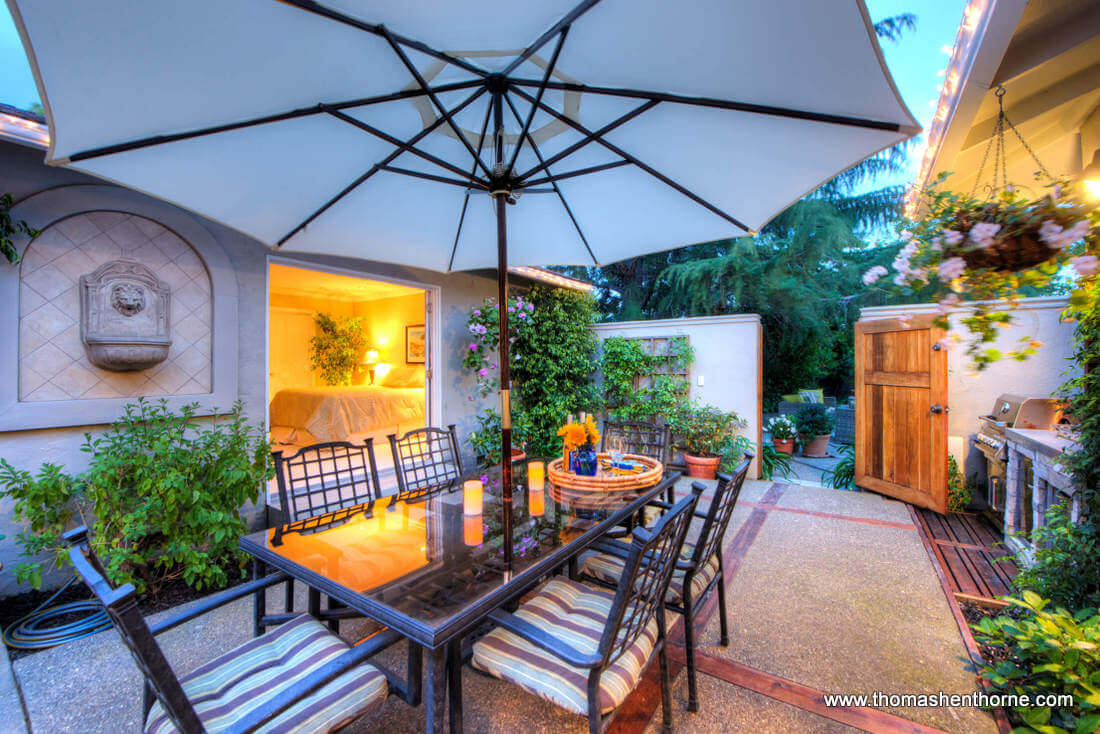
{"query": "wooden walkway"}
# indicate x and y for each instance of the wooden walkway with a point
(968, 548)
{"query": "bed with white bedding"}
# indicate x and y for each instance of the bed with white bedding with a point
(335, 413)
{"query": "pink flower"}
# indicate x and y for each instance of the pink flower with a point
(484, 478)
(1085, 265)
(901, 279)
(483, 372)
(473, 347)
(952, 237)
(477, 312)
(1054, 236)
(937, 244)
(872, 275)
(951, 268)
(982, 234)
(948, 303)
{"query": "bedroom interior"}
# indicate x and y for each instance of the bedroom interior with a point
(347, 359)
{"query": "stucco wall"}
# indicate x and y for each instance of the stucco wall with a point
(727, 360)
(23, 174)
(971, 393)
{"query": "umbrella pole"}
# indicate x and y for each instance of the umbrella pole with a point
(500, 194)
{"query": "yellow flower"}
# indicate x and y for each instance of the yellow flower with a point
(574, 435)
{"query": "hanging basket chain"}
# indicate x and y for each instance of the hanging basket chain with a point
(997, 145)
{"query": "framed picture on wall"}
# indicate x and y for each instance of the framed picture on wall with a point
(414, 344)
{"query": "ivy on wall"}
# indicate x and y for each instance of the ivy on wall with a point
(10, 227)
(646, 379)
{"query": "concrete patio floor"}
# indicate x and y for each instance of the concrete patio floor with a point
(828, 592)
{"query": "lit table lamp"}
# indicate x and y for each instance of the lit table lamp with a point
(370, 362)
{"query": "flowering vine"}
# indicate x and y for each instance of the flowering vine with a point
(481, 352)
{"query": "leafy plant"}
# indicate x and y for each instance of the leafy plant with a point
(958, 490)
(337, 349)
(637, 385)
(843, 473)
(782, 428)
(10, 227)
(481, 354)
(987, 251)
(485, 440)
(1050, 652)
(773, 461)
(165, 491)
(703, 430)
(814, 419)
(1066, 559)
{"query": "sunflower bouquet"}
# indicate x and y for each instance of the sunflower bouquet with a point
(581, 436)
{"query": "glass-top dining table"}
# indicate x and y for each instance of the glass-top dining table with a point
(419, 564)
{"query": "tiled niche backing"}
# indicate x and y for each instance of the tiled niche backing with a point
(52, 362)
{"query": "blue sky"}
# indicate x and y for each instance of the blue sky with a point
(914, 62)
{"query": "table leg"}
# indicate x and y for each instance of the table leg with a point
(436, 691)
(455, 684)
(259, 599)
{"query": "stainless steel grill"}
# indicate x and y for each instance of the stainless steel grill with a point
(1009, 411)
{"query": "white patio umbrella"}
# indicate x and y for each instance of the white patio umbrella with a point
(400, 130)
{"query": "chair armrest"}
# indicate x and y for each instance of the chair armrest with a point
(613, 548)
(546, 641)
(214, 601)
(315, 680)
(659, 503)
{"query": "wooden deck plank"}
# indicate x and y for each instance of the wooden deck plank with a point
(965, 544)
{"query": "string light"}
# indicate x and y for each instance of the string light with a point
(23, 129)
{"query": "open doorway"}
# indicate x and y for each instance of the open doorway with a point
(383, 389)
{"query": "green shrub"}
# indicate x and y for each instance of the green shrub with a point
(814, 419)
(337, 349)
(773, 461)
(1066, 567)
(485, 440)
(1049, 652)
(162, 493)
(703, 430)
(958, 490)
(843, 473)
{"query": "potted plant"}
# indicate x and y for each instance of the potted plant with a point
(485, 440)
(815, 427)
(579, 446)
(783, 433)
(704, 433)
(985, 251)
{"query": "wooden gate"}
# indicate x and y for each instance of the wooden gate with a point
(901, 410)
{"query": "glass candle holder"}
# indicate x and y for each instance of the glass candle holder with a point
(472, 492)
(536, 502)
(472, 534)
(536, 475)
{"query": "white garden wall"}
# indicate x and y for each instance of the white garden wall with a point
(727, 372)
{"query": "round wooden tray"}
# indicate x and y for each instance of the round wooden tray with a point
(606, 481)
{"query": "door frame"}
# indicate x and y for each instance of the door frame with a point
(433, 394)
(937, 384)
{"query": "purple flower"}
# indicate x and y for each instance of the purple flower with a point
(511, 309)
(530, 308)
(951, 268)
(483, 372)
(982, 234)
(484, 478)
(477, 312)
(522, 315)
(952, 237)
(1085, 265)
(473, 347)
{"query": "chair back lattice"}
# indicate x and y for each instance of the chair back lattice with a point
(325, 477)
(121, 606)
(426, 457)
(709, 542)
(646, 576)
(634, 437)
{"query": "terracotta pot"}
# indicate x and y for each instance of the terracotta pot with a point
(783, 445)
(518, 455)
(815, 446)
(702, 467)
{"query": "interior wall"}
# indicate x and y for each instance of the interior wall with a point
(727, 368)
(384, 321)
(971, 393)
(290, 326)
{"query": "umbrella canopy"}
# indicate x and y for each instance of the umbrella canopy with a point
(400, 131)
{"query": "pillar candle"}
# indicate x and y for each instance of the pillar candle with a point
(536, 502)
(472, 530)
(471, 497)
(536, 474)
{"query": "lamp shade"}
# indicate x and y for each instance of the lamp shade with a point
(371, 357)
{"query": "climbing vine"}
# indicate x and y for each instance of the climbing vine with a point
(10, 227)
(641, 384)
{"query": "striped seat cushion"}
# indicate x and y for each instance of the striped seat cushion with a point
(232, 684)
(608, 568)
(576, 614)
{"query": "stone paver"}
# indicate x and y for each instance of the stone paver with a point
(832, 604)
(12, 720)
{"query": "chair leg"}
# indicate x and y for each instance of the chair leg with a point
(689, 649)
(666, 694)
(722, 622)
(259, 599)
(288, 596)
(334, 624)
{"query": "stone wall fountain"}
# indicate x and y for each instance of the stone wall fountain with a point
(124, 316)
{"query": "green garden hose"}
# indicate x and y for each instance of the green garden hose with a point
(33, 630)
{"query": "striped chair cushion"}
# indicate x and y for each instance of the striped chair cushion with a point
(576, 614)
(227, 687)
(608, 568)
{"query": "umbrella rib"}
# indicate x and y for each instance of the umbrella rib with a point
(574, 174)
(542, 40)
(397, 141)
(724, 104)
(432, 177)
(380, 30)
(376, 168)
(648, 169)
(466, 199)
(538, 97)
(589, 138)
(266, 119)
(443, 111)
(561, 196)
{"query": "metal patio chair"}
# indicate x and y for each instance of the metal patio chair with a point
(583, 648)
(325, 477)
(298, 677)
(425, 457)
(636, 437)
(698, 572)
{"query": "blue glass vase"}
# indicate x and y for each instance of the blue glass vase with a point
(585, 462)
